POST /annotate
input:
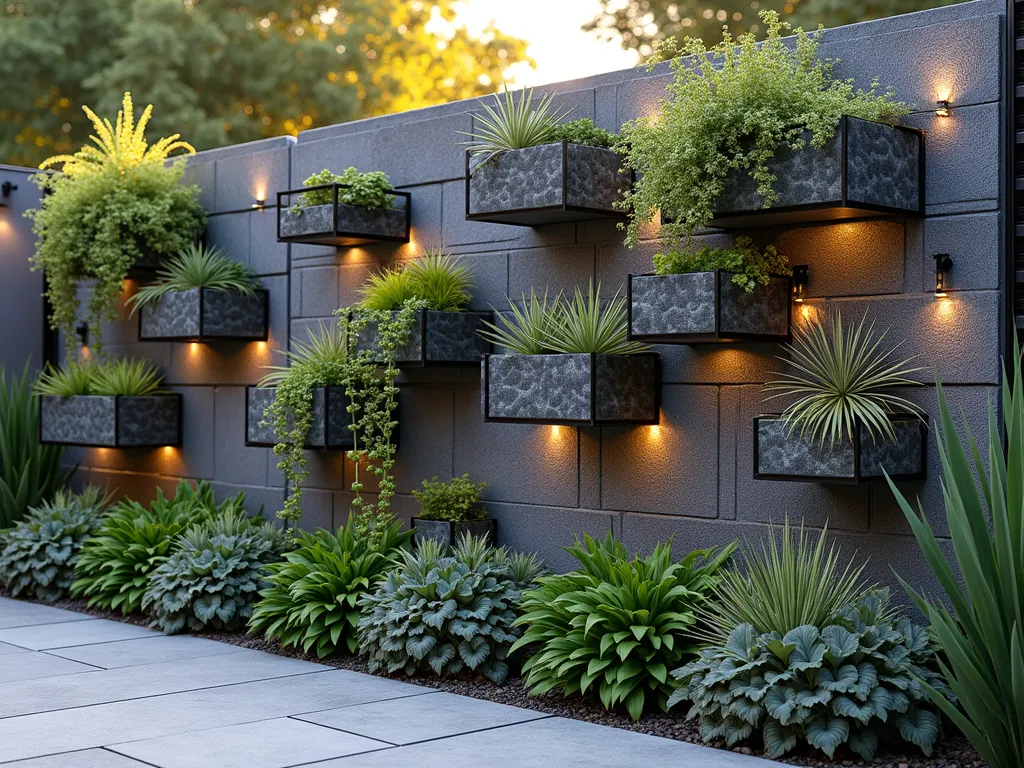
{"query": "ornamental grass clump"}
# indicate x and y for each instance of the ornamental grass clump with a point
(730, 108)
(616, 626)
(749, 266)
(196, 266)
(122, 376)
(435, 278)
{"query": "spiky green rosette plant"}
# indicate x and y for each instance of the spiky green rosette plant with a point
(842, 379)
(749, 266)
(121, 376)
(446, 612)
(979, 621)
(525, 330)
(196, 266)
(730, 108)
(311, 601)
(213, 574)
(364, 190)
(617, 625)
(435, 277)
(115, 564)
(38, 555)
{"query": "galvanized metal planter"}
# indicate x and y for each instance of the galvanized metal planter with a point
(340, 224)
(869, 169)
(206, 314)
(547, 184)
(782, 455)
(701, 307)
(574, 389)
(111, 421)
(437, 339)
(450, 532)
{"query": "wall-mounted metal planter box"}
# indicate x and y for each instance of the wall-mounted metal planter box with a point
(328, 430)
(449, 532)
(572, 389)
(114, 421)
(701, 307)
(869, 169)
(438, 338)
(783, 455)
(545, 185)
(339, 224)
(206, 314)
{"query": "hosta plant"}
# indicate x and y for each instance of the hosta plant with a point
(213, 574)
(115, 564)
(444, 612)
(38, 555)
(859, 681)
(616, 626)
(311, 602)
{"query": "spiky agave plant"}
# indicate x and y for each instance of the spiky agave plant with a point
(841, 381)
(513, 123)
(583, 326)
(525, 330)
(196, 266)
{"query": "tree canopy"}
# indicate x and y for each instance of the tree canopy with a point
(225, 71)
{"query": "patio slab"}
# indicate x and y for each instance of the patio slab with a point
(33, 665)
(6, 648)
(145, 650)
(16, 613)
(87, 758)
(44, 637)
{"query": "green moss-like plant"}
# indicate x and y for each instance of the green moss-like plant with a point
(457, 500)
(583, 131)
(750, 267)
(364, 190)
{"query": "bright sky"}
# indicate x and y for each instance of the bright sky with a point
(561, 49)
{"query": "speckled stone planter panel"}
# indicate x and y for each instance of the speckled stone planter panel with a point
(763, 311)
(316, 223)
(449, 338)
(113, 422)
(522, 178)
(329, 426)
(174, 315)
(627, 388)
(594, 178)
(205, 313)
(449, 532)
(901, 458)
(882, 165)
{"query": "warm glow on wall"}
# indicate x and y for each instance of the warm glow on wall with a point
(193, 348)
(946, 307)
(5, 226)
(260, 194)
(654, 431)
(556, 430)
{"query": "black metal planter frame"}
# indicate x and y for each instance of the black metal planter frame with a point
(424, 361)
(339, 237)
(117, 438)
(203, 336)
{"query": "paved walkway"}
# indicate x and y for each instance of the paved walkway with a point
(81, 692)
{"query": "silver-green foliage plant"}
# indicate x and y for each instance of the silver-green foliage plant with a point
(196, 266)
(456, 500)
(842, 380)
(435, 278)
(38, 555)
(730, 108)
(513, 123)
(213, 575)
(979, 622)
(444, 612)
(749, 265)
(364, 190)
(858, 681)
(616, 626)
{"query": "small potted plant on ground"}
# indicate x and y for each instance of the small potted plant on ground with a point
(522, 167)
(843, 424)
(712, 295)
(569, 362)
(116, 404)
(449, 510)
(444, 331)
(352, 208)
(199, 296)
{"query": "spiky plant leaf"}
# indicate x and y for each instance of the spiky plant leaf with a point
(73, 378)
(513, 123)
(526, 329)
(196, 266)
(583, 326)
(126, 376)
(440, 280)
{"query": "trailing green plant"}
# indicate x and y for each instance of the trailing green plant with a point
(617, 625)
(583, 325)
(841, 381)
(979, 621)
(750, 266)
(121, 376)
(311, 602)
(526, 328)
(365, 190)
(435, 277)
(30, 472)
(38, 555)
(583, 131)
(457, 500)
(860, 680)
(116, 562)
(730, 108)
(213, 574)
(513, 123)
(445, 611)
(110, 205)
(196, 266)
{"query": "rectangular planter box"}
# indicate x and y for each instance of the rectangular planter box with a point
(329, 429)
(340, 224)
(449, 532)
(114, 421)
(779, 455)
(438, 338)
(703, 307)
(546, 184)
(869, 169)
(576, 390)
(203, 314)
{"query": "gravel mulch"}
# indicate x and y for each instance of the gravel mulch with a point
(954, 751)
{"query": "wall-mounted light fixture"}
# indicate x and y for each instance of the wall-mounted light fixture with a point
(261, 203)
(943, 264)
(799, 282)
(942, 107)
(5, 192)
(82, 332)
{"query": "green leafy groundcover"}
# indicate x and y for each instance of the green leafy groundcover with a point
(750, 267)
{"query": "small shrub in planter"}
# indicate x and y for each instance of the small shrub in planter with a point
(450, 510)
(444, 612)
(522, 167)
(115, 404)
(712, 295)
(569, 362)
(842, 425)
(444, 332)
(616, 626)
(202, 295)
(38, 555)
(348, 209)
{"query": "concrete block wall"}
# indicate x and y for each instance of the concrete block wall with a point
(691, 477)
